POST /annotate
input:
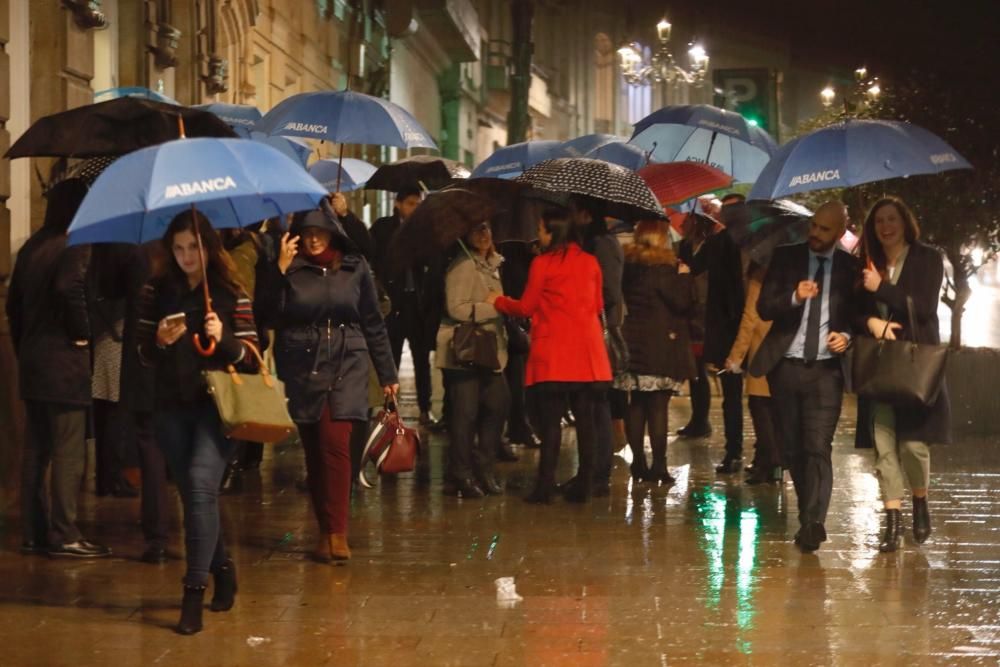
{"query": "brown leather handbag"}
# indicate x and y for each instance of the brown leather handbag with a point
(392, 445)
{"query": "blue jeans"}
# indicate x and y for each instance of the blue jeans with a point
(196, 452)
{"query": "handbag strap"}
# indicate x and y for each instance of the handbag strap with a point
(264, 370)
(912, 316)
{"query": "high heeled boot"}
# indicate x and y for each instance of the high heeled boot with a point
(659, 472)
(893, 535)
(339, 550)
(921, 520)
(191, 608)
(224, 594)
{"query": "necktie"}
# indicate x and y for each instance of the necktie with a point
(815, 309)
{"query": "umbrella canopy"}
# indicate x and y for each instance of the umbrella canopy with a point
(761, 226)
(420, 171)
(629, 156)
(346, 117)
(627, 196)
(353, 173)
(853, 152)
(115, 127)
(512, 161)
(676, 182)
(580, 146)
(233, 182)
(706, 134)
(132, 91)
(240, 117)
(297, 149)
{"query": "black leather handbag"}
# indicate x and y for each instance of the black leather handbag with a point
(475, 346)
(614, 341)
(898, 372)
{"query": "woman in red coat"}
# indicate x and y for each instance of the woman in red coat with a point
(567, 360)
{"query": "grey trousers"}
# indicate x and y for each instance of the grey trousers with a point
(898, 462)
(56, 436)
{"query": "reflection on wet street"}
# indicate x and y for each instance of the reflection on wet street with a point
(701, 573)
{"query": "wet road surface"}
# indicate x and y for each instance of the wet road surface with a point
(700, 573)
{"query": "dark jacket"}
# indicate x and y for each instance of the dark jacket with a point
(611, 259)
(789, 266)
(921, 279)
(720, 257)
(417, 294)
(358, 234)
(327, 326)
(658, 302)
(178, 367)
(47, 307)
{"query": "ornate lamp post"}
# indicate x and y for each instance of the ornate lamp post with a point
(662, 67)
(865, 92)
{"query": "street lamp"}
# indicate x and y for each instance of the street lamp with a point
(866, 91)
(662, 67)
(827, 95)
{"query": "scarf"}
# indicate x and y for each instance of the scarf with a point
(326, 258)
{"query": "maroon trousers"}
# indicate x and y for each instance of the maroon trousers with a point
(328, 468)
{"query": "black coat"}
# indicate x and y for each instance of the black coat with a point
(720, 257)
(658, 303)
(47, 310)
(611, 259)
(359, 236)
(327, 326)
(921, 279)
(789, 266)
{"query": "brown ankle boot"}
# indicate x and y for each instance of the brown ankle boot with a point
(338, 546)
(322, 551)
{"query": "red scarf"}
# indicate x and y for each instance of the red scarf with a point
(327, 258)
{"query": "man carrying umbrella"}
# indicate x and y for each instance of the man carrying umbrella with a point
(417, 296)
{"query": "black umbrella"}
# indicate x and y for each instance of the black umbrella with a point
(625, 194)
(114, 127)
(420, 171)
(761, 226)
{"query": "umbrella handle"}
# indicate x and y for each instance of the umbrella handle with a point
(205, 351)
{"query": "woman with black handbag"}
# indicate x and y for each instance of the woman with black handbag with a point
(901, 269)
(172, 319)
(321, 301)
(472, 354)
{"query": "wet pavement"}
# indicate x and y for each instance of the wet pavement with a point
(701, 573)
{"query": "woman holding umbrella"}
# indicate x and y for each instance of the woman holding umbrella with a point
(322, 303)
(567, 360)
(902, 269)
(172, 320)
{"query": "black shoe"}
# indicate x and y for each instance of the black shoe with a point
(921, 520)
(79, 549)
(467, 488)
(639, 471)
(490, 486)
(729, 465)
(892, 538)
(154, 555)
(561, 488)
(506, 454)
(695, 431)
(810, 536)
(601, 489)
(762, 475)
(191, 607)
(224, 594)
(34, 547)
(661, 476)
(577, 491)
(541, 496)
(528, 439)
(433, 425)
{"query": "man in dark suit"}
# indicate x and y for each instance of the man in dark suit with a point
(808, 294)
(417, 296)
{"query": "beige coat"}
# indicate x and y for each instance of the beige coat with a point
(466, 286)
(751, 334)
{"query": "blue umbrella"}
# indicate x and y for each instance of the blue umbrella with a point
(853, 152)
(629, 156)
(240, 117)
(353, 173)
(297, 149)
(132, 91)
(512, 161)
(580, 146)
(232, 181)
(346, 117)
(707, 134)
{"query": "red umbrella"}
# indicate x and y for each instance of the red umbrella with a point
(676, 182)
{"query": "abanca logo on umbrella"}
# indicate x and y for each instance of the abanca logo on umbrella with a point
(815, 177)
(200, 187)
(306, 127)
(942, 158)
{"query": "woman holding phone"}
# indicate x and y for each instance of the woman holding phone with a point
(187, 426)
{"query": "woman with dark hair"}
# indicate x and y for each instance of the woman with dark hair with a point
(186, 422)
(658, 299)
(321, 300)
(901, 269)
(567, 360)
(479, 396)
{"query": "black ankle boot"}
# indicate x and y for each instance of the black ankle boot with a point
(921, 520)
(224, 594)
(543, 494)
(578, 491)
(893, 535)
(191, 608)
